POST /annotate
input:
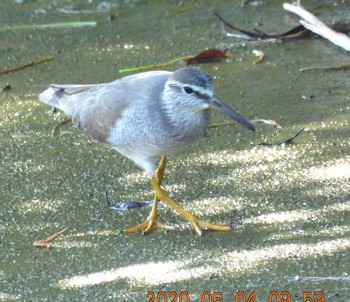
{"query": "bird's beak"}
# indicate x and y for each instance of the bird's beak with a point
(215, 103)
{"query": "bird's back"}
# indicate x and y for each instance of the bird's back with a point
(97, 108)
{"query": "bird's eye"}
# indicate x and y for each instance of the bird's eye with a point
(188, 90)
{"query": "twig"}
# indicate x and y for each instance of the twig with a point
(325, 68)
(314, 24)
(56, 128)
(254, 122)
(286, 142)
(180, 10)
(297, 32)
(82, 11)
(51, 25)
(158, 65)
(248, 34)
(16, 68)
(48, 241)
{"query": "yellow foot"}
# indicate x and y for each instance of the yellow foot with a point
(148, 226)
(200, 225)
(160, 194)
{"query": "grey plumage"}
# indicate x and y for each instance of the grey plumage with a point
(143, 116)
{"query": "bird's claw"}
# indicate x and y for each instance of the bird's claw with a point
(200, 226)
(148, 226)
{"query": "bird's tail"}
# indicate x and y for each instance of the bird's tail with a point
(64, 97)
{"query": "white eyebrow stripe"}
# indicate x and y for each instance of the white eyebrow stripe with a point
(200, 90)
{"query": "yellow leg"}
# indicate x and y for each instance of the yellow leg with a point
(160, 194)
(151, 223)
(198, 224)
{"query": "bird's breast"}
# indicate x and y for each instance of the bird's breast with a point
(157, 134)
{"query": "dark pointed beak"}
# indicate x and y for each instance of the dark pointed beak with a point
(215, 103)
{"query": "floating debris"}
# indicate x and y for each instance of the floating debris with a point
(207, 56)
(260, 54)
(124, 206)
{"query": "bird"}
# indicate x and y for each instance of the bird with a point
(146, 117)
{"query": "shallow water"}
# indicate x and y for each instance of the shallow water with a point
(290, 204)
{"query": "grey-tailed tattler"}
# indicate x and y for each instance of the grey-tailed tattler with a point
(146, 117)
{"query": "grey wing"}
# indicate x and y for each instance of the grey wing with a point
(100, 110)
(96, 108)
(93, 108)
